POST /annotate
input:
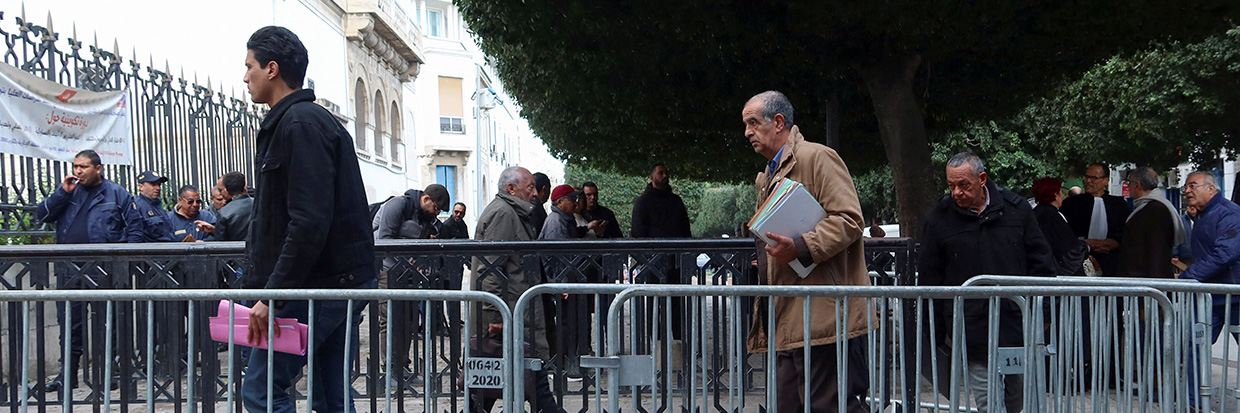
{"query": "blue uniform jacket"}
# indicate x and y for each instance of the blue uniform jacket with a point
(182, 226)
(152, 223)
(1216, 245)
(108, 213)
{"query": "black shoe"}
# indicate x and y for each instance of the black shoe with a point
(58, 384)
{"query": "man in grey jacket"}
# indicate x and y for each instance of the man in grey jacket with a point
(507, 218)
(410, 216)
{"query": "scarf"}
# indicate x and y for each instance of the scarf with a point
(1098, 227)
(1157, 195)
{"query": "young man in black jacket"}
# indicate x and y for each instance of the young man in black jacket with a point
(310, 228)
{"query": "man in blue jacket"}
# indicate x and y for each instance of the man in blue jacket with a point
(1216, 250)
(153, 225)
(87, 209)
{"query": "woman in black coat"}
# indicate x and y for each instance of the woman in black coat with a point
(1069, 251)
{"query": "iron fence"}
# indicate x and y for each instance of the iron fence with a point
(189, 132)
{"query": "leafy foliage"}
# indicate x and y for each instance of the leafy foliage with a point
(1172, 103)
(665, 81)
(618, 85)
(1010, 161)
(714, 208)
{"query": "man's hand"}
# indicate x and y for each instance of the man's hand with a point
(784, 250)
(1102, 245)
(71, 183)
(495, 329)
(205, 227)
(596, 226)
(258, 323)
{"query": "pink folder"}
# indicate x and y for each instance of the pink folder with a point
(293, 338)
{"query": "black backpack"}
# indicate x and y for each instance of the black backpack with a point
(405, 215)
(374, 208)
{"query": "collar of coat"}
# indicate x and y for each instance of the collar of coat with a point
(786, 160)
(522, 206)
(273, 116)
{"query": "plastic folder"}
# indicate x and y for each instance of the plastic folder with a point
(789, 211)
(293, 338)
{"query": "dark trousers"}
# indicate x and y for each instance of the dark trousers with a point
(824, 375)
(74, 332)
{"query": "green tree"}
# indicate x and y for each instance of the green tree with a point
(1171, 103)
(665, 80)
(714, 208)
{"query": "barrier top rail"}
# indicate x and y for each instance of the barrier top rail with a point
(1161, 284)
(237, 295)
(412, 246)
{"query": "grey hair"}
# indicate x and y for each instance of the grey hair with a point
(1209, 177)
(773, 101)
(970, 158)
(1146, 176)
(511, 175)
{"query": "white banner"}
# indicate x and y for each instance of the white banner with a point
(45, 119)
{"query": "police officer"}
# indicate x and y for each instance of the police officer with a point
(85, 210)
(153, 226)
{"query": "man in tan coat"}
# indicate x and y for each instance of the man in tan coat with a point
(834, 244)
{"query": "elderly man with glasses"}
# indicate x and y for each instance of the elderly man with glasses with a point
(1098, 217)
(1216, 247)
(188, 219)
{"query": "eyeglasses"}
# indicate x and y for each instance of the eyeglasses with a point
(458, 212)
(192, 201)
(1193, 186)
(1091, 177)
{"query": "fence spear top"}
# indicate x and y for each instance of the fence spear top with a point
(50, 33)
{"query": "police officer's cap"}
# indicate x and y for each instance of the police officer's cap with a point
(151, 176)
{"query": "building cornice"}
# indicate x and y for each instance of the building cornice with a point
(384, 30)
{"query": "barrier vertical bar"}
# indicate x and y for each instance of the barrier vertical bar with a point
(22, 389)
(150, 351)
(107, 355)
(190, 370)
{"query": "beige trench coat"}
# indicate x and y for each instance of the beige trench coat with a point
(835, 244)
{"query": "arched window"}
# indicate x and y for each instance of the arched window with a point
(395, 130)
(378, 123)
(359, 114)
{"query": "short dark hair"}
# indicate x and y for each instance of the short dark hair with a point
(462, 204)
(541, 181)
(588, 184)
(656, 166)
(234, 183)
(187, 188)
(275, 43)
(1104, 166)
(90, 154)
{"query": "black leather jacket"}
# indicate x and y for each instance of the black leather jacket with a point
(311, 223)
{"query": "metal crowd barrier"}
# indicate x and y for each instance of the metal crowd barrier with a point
(195, 301)
(1217, 387)
(638, 373)
(435, 333)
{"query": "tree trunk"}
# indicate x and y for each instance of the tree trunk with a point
(832, 110)
(889, 79)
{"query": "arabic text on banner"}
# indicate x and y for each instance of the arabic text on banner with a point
(44, 119)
